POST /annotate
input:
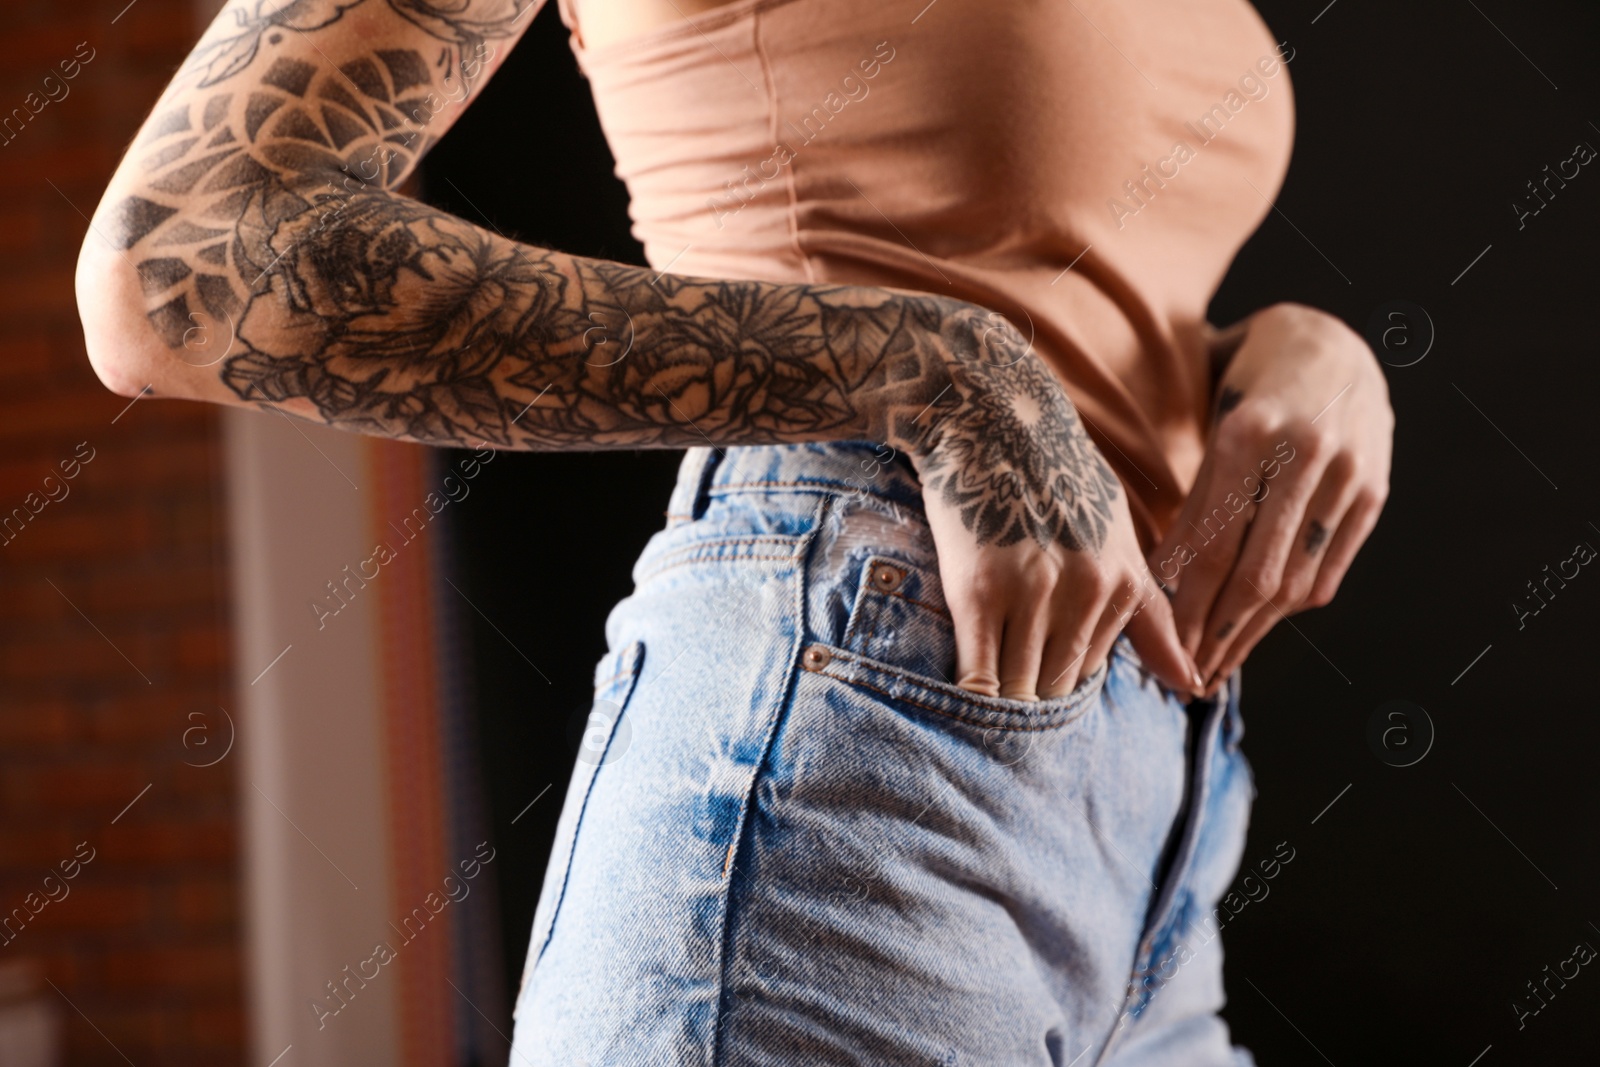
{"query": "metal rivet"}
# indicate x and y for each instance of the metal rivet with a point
(816, 657)
(887, 578)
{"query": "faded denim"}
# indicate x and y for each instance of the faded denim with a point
(790, 841)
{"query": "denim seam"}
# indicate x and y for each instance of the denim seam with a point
(721, 542)
(1163, 909)
(1074, 717)
(697, 553)
(634, 653)
(921, 604)
(818, 486)
(742, 558)
(781, 710)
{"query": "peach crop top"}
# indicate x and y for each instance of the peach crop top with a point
(1087, 167)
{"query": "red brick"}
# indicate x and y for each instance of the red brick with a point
(64, 415)
(192, 522)
(147, 940)
(92, 906)
(146, 714)
(75, 787)
(32, 49)
(209, 841)
(79, 655)
(35, 847)
(216, 1026)
(203, 968)
(20, 230)
(27, 296)
(187, 587)
(63, 532)
(67, 163)
(202, 647)
(206, 904)
(189, 455)
(20, 476)
(34, 723)
(122, 1031)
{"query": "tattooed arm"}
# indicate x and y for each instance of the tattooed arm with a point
(253, 249)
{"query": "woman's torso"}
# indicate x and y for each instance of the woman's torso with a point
(1088, 168)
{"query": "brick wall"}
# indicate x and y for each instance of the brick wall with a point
(114, 646)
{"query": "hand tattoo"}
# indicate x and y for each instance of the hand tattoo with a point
(1017, 462)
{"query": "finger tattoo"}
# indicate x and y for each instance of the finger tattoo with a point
(1316, 534)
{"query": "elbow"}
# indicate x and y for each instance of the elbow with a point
(116, 334)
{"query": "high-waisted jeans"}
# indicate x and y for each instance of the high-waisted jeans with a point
(791, 840)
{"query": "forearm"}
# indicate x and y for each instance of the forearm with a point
(484, 339)
(383, 315)
(252, 249)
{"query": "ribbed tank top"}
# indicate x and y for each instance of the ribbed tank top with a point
(1089, 168)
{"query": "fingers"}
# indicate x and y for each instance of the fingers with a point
(1065, 650)
(1216, 539)
(1042, 649)
(1270, 568)
(1352, 533)
(1112, 619)
(1154, 635)
(1021, 646)
(978, 630)
(1328, 564)
(1076, 620)
(1283, 591)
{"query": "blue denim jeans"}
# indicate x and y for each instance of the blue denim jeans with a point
(790, 840)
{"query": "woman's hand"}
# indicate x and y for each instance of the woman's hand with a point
(1291, 485)
(1037, 551)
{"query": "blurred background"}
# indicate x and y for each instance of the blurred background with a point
(216, 801)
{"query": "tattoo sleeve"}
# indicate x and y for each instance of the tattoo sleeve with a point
(259, 205)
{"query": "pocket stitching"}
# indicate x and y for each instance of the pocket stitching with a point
(1075, 705)
(939, 688)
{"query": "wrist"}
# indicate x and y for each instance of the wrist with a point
(914, 406)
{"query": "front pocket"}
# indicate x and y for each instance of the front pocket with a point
(900, 643)
(603, 731)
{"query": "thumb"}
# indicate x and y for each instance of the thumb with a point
(1155, 637)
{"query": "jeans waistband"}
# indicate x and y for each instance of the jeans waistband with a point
(846, 467)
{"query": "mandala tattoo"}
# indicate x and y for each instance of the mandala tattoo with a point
(266, 208)
(1011, 481)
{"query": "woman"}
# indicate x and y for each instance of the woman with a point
(893, 758)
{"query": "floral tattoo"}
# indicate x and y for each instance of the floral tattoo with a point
(266, 207)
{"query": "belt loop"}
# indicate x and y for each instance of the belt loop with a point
(702, 486)
(690, 493)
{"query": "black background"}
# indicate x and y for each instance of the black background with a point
(1424, 899)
